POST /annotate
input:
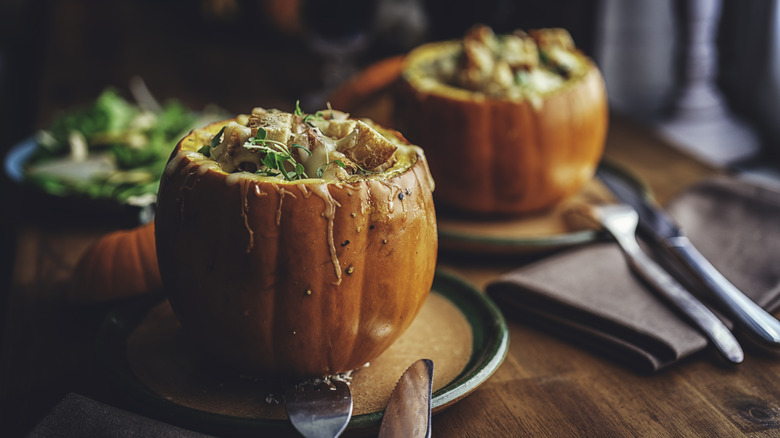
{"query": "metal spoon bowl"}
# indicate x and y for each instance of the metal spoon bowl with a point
(320, 408)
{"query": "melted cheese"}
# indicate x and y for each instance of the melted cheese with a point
(327, 153)
(402, 159)
(483, 65)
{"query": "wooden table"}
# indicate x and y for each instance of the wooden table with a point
(545, 387)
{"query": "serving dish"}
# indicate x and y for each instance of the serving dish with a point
(39, 204)
(511, 123)
(163, 378)
(526, 234)
(371, 92)
(271, 256)
(101, 161)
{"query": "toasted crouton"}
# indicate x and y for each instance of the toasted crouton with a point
(520, 52)
(278, 126)
(553, 37)
(366, 147)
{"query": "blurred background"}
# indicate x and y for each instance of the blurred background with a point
(704, 73)
(57, 54)
(713, 65)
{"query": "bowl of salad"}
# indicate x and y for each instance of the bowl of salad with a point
(103, 158)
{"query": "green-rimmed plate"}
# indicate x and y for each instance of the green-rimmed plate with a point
(529, 233)
(145, 356)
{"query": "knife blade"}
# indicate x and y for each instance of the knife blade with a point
(408, 412)
(658, 228)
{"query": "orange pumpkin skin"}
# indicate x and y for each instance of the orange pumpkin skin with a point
(302, 279)
(505, 156)
(118, 265)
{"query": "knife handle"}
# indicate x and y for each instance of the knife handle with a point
(664, 283)
(750, 316)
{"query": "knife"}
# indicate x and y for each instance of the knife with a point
(620, 220)
(658, 227)
(408, 412)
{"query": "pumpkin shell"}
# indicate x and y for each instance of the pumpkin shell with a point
(120, 264)
(308, 278)
(504, 156)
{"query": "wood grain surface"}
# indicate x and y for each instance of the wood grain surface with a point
(545, 387)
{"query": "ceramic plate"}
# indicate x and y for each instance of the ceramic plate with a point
(529, 233)
(67, 208)
(142, 350)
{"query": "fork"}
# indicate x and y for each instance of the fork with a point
(621, 221)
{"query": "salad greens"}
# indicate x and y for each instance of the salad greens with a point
(111, 149)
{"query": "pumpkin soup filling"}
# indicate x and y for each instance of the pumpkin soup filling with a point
(513, 66)
(326, 145)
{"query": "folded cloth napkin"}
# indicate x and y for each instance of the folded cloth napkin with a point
(79, 416)
(589, 295)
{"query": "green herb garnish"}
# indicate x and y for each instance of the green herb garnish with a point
(215, 141)
(322, 168)
(521, 78)
(316, 116)
(138, 139)
(297, 146)
(276, 156)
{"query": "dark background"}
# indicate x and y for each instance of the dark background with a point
(236, 54)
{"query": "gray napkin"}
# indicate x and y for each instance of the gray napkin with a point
(79, 416)
(589, 295)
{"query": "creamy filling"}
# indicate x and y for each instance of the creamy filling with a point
(325, 145)
(337, 150)
(514, 66)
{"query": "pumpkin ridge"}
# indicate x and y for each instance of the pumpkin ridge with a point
(535, 150)
(371, 242)
(271, 255)
(135, 260)
(489, 153)
(576, 129)
(563, 153)
(360, 284)
(148, 264)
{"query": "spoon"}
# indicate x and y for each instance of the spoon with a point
(319, 408)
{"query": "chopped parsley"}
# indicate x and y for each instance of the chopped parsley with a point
(276, 156)
(322, 168)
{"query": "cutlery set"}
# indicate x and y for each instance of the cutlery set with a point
(621, 222)
(639, 215)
